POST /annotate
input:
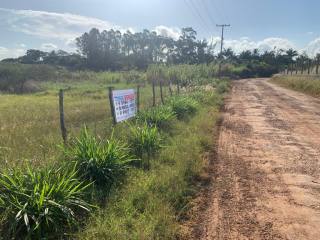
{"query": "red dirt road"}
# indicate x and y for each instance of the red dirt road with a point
(265, 182)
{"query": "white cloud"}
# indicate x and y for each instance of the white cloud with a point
(313, 48)
(63, 26)
(168, 32)
(48, 47)
(245, 43)
(11, 52)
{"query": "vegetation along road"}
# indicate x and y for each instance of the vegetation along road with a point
(265, 180)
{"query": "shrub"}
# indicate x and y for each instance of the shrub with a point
(183, 106)
(39, 204)
(222, 87)
(160, 117)
(100, 161)
(145, 141)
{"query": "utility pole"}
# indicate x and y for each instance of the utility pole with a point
(222, 39)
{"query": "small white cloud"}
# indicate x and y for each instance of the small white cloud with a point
(310, 33)
(48, 46)
(11, 52)
(168, 31)
(22, 45)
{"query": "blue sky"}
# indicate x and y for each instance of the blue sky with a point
(263, 24)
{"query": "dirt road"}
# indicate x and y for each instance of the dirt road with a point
(266, 178)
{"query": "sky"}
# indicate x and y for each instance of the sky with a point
(264, 24)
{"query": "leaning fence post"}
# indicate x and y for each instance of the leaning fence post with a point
(161, 93)
(153, 94)
(138, 98)
(112, 105)
(62, 124)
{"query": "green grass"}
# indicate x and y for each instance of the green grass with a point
(150, 204)
(99, 161)
(303, 83)
(40, 203)
(140, 203)
(29, 124)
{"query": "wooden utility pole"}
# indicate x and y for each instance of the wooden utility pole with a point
(221, 46)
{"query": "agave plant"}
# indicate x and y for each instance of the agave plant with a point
(160, 117)
(145, 141)
(98, 160)
(41, 203)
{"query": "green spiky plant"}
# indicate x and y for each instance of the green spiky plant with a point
(36, 204)
(161, 117)
(101, 161)
(183, 106)
(145, 142)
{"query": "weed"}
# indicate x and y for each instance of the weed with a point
(183, 106)
(160, 117)
(100, 161)
(145, 141)
(37, 204)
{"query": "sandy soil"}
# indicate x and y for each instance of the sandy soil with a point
(265, 180)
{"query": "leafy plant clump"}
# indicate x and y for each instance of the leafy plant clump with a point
(160, 117)
(37, 204)
(145, 141)
(100, 161)
(183, 106)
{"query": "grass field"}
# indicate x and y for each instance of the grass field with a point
(140, 202)
(308, 84)
(30, 129)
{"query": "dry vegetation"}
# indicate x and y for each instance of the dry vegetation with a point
(309, 84)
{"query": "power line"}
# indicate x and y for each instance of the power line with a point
(206, 7)
(195, 15)
(219, 12)
(194, 5)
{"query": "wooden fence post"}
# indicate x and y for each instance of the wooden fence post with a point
(112, 105)
(153, 94)
(62, 124)
(170, 88)
(161, 93)
(178, 88)
(138, 98)
(309, 66)
(317, 67)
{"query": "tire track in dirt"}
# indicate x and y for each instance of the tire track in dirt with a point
(265, 179)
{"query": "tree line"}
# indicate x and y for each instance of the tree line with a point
(113, 50)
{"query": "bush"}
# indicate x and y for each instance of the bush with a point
(145, 141)
(183, 106)
(160, 117)
(222, 87)
(100, 161)
(39, 204)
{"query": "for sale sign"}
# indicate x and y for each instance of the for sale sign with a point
(124, 102)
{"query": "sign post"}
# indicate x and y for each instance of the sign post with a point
(123, 104)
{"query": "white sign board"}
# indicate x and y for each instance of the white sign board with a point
(124, 102)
